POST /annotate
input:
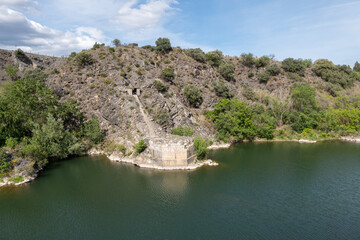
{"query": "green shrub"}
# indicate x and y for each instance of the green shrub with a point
(168, 74)
(263, 76)
(19, 53)
(11, 71)
(183, 131)
(356, 67)
(97, 45)
(111, 49)
(214, 58)
(84, 58)
(116, 42)
(303, 97)
(262, 62)
(161, 87)
(233, 120)
(294, 76)
(227, 70)
(221, 89)
(162, 118)
(249, 94)
(340, 75)
(294, 66)
(201, 146)
(11, 142)
(248, 59)
(273, 69)
(140, 147)
(72, 55)
(193, 95)
(92, 131)
(163, 46)
(197, 54)
(5, 162)
(251, 75)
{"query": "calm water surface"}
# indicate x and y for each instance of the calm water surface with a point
(259, 191)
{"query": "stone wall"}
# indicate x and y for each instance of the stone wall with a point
(171, 152)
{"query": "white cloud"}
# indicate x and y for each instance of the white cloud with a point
(16, 29)
(145, 16)
(21, 5)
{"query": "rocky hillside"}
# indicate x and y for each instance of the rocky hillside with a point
(100, 80)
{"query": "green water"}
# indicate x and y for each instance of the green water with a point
(259, 191)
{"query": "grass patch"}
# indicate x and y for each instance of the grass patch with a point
(16, 179)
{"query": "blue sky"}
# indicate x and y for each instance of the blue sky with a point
(300, 29)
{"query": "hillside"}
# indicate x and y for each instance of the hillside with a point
(101, 87)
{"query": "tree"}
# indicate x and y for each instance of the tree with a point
(201, 146)
(11, 71)
(168, 74)
(140, 147)
(116, 42)
(163, 46)
(233, 120)
(193, 95)
(197, 54)
(262, 62)
(214, 58)
(294, 66)
(273, 69)
(84, 58)
(227, 70)
(357, 67)
(221, 89)
(248, 59)
(303, 97)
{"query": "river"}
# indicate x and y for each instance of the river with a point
(259, 191)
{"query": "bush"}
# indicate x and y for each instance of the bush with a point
(233, 120)
(168, 74)
(111, 49)
(183, 131)
(140, 147)
(340, 75)
(251, 75)
(159, 86)
(19, 53)
(294, 66)
(11, 142)
(11, 71)
(356, 67)
(5, 162)
(227, 70)
(84, 58)
(214, 58)
(201, 146)
(97, 45)
(72, 55)
(262, 62)
(193, 96)
(273, 69)
(197, 54)
(222, 90)
(248, 59)
(249, 94)
(294, 76)
(263, 76)
(163, 46)
(303, 97)
(92, 131)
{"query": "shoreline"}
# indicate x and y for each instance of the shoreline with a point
(149, 165)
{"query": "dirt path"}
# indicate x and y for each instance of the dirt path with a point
(147, 120)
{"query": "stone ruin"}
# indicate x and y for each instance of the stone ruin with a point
(171, 151)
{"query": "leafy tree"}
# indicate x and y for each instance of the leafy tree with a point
(214, 58)
(263, 76)
(201, 146)
(116, 42)
(233, 120)
(357, 67)
(92, 131)
(227, 70)
(303, 97)
(262, 62)
(11, 71)
(248, 59)
(294, 66)
(273, 69)
(193, 95)
(221, 89)
(84, 58)
(140, 147)
(163, 46)
(168, 74)
(5, 162)
(197, 54)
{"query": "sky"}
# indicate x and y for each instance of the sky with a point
(300, 29)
